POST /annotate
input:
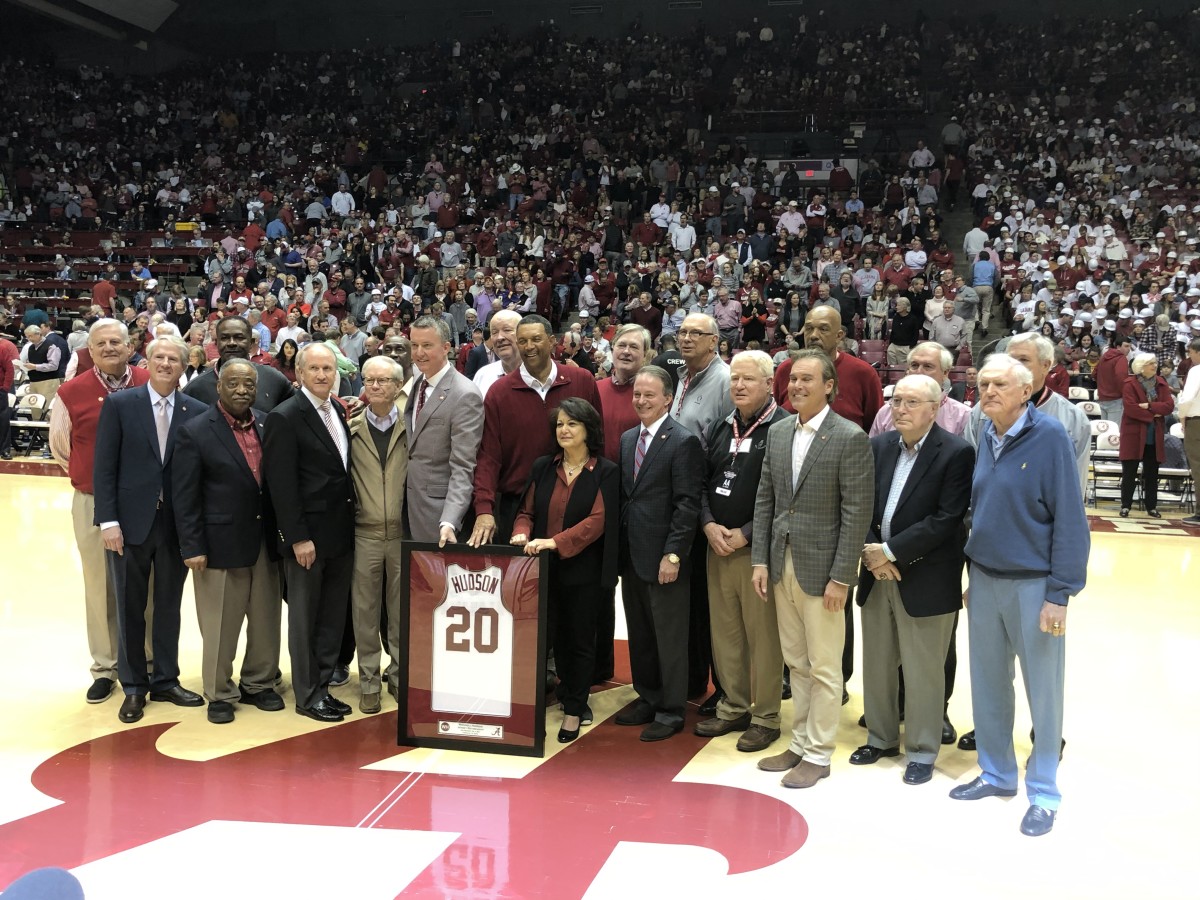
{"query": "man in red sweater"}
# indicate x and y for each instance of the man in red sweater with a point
(516, 427)
(860, 393)
(8, 353)
(1111, 372)
(73, 443)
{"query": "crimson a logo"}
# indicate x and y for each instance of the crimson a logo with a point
(119, 793)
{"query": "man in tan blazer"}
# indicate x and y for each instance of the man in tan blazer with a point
(444, 422)
(811, 516)
(379, 464)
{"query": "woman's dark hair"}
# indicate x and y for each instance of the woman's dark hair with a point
(585, 414)
(282, 359)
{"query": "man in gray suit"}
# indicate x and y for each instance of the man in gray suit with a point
(662, 472)
(811, 516)
(444, 421)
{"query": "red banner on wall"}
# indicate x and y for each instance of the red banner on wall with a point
(473, 647)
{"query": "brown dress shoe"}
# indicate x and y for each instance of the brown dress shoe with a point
(781, 762)
(716, 727)
(369, 703)
(805, 775)
(757, 737)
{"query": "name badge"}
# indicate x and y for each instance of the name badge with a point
(726, 487)
(742, 446)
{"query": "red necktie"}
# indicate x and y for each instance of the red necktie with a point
(421, 398)
(640, 453)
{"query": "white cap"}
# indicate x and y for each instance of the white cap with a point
(1078, 323)
(1126, 313)
(1087, 317)
(1062, 260)
(713, 190)
(150, 284)
(1110, 325)
(376, 292)
(589, 279)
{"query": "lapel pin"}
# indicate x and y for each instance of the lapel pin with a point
(1023, 465)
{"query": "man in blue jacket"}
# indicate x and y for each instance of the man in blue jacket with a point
(1028, 554)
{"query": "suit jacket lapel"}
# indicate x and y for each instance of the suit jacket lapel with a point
(317, 424)
(226, 439)
(145, 415)
(432, 401)
(815, 449)
(887, 471)
(929, 450)
(660, 438)
(180, 406)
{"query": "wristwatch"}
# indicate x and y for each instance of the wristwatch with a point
(673, 558)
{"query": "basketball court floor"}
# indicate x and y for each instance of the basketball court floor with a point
(278, 805)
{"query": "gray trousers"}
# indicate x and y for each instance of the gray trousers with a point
(891, 638)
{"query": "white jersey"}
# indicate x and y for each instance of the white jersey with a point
(472, 660)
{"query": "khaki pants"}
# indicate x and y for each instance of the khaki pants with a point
(226, 598)
(47, 389)
(987, 296)
(891, 638)
(99, 601)
(897, 355)
(811, 638)
(745, 641)
(376, 575)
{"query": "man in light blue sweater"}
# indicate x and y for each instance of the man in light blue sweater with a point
(1028, 554)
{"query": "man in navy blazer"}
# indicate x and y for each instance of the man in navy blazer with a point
(134, 483)
(227, 538)
(662, 473)
(910, 587)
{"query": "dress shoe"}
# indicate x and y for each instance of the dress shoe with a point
(918, 773)
(948, 733)
(785, 692)
(1037, 821)
(781, 762)
(334, 703)
(133, 708)
(978, 789)
(340, 676)
(716, 727)
(267, 701)
(1154, 513)
(100, 690)
(5, 454)
(805, 775)
(657, 731)
(1194, 521)
(1124, 512)
(369, 703)
(866, 755)
(845, 696)
(178, 695)
(220, 712)
(321, 711)
(967, 741)
(565, 736)
(756, 738)
(639, 713)
(709, 706)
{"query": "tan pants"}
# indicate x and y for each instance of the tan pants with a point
(987, 297)
(376, 575)
(47, 389)
(891, 638)
(226, 598)
(99, 601)
(811, 638)
(897, 355)
(745, 641)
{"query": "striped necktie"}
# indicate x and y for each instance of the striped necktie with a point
(640, 453)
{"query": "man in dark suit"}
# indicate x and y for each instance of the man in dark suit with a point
(662, 472)
(911, 585)
(234, 341)
(811, 517)
(227, 537)
(306, 459)
(443, 424)
(480, 356)
(135, 440)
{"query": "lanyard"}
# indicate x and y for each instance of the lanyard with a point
(687, 383)
(737, 435)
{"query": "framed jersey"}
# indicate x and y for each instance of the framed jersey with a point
(473, 647)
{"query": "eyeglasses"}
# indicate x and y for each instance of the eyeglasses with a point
(381, 381)
(907, 403)
(693, 333)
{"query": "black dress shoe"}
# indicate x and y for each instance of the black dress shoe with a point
(1154, 514)
(340, 676)
(657, 731)
(866, 755)
(967, 741)
(100, 690)
(709, 706)
(845, 696)
(220, 712)
(948, 732)
(178, 695)
(640, 713)
(333, 702)
(565, 736)
(1124, 512)
(133, 708)
(978, 789)
(918, 773)
(1037, 821)
(321, 711)
(1194, 521)
(267, 701)
(785, 692)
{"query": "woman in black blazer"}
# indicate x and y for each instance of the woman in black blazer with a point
(571, 509)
